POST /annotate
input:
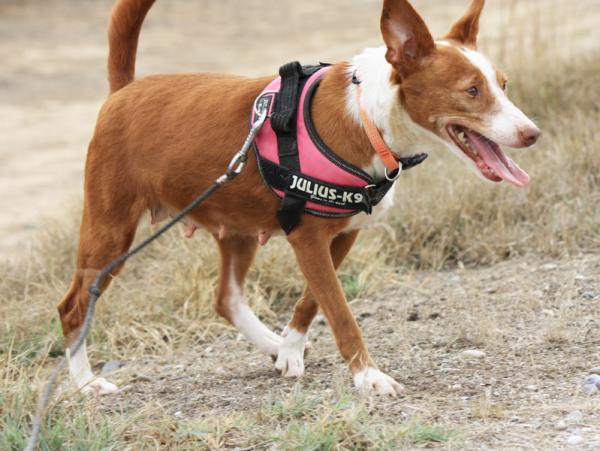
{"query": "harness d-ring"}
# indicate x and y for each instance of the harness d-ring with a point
(397, 176)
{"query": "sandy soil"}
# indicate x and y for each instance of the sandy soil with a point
(53, 53)
(536, 321)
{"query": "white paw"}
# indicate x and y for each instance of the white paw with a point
(99, 386)
(371, 380)
(290, 358)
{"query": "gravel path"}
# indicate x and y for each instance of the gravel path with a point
(534, 325)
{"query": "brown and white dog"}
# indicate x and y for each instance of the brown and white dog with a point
(162, 140)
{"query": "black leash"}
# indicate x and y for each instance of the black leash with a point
(233, 170)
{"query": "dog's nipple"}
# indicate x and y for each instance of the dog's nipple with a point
(189, 232)
(222, 232)
(263, 237)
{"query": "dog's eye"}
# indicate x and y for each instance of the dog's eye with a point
(505, 85)
(473, 91)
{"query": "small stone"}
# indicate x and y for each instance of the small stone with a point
(588, 295)
(113, 365)
(413, 316)
(141, 378)
(595, 370)
(549, 267)
(320, 319)
(590, 389)
(574, 418)
(473, 354)
(579, 277)
(593, 379)
(532, 387)
(561, 425)
(574, 440)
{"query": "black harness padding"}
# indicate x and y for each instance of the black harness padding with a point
(306, 188)
(283, 121)
(287, 177)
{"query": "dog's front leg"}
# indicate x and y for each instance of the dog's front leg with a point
(290, 359)
(312, 249)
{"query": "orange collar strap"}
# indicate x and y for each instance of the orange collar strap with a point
(385, 153)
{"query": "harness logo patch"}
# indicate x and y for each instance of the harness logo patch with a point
(325, 193)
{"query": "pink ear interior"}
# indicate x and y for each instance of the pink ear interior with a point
(410, 49)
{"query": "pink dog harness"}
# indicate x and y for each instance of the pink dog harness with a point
(297, 165)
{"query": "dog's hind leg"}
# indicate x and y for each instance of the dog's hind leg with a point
(290, 358)
(237, 254)
(106, 232)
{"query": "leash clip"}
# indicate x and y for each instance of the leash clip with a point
(237, 163)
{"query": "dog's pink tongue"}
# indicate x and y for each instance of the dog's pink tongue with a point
(492, 155)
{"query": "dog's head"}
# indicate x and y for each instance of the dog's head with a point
(452, 90)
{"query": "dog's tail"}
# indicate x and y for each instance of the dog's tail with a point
(123, 33)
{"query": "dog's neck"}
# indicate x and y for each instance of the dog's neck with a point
(336, 113)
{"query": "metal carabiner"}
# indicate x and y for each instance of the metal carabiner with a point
(238, 161)
(237, 164)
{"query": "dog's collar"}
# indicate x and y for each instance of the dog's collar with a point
(393, 165)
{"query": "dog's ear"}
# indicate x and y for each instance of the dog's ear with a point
(466, 29)
(406, 36)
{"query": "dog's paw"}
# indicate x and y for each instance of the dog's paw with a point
(371, 380)
(290, 358)
(99, 386)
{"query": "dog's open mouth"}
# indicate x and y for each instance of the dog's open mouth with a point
(487, 156)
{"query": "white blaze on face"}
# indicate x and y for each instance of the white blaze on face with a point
(505, 120)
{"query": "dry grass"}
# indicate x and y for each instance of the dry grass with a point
(445, 218)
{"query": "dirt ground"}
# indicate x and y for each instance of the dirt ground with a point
(536, 321)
